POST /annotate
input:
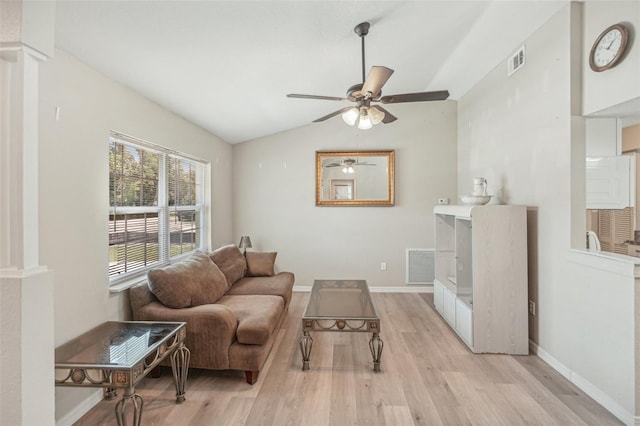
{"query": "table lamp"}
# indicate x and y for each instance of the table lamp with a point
(245, 243)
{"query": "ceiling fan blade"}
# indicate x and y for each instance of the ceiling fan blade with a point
(439, 95)
(377, 77)
(333, 114)
(326, 98)
(388, 117)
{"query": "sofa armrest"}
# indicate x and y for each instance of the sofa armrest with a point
(211, 329)
(140, 295)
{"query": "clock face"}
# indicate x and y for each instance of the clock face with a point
(608, 48)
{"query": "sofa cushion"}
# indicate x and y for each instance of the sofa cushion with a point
(260, 264)
(230, 261)
(192, 282)
(280, 284)
(257, 315)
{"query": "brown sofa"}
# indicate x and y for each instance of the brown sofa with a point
(233, 306)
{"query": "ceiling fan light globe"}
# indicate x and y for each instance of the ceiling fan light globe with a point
(350, 116)
(365, 121)
(376, 115)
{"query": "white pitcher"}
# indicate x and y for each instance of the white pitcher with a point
(479, 186)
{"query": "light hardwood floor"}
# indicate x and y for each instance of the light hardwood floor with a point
(428, 377)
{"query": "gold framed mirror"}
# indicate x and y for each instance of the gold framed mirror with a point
(354, 178)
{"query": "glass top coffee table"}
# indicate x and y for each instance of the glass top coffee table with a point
(118, 355)
(341, 305)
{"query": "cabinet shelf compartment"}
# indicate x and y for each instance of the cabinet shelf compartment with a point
(445, 256)
(484, 250)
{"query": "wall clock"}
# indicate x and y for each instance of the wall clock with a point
(609, 47)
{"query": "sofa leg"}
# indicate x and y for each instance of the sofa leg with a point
(252, 376)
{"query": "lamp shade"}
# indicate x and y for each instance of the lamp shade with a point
(376, 115)
(245, 242)
(350, 116)
(365, 121)
(364, 117)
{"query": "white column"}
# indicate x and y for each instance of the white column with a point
(27, 394)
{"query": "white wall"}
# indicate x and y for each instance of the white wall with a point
(515, 131)
(519, 133)
(274, 187)
(73, 179)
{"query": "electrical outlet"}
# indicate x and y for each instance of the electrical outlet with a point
(532, 307)
(383, 266)
(443, 201)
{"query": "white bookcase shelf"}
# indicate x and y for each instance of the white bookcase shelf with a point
(480, 286)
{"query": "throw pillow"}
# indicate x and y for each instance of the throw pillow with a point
(192, 282)
(230, 261)
(261, 264)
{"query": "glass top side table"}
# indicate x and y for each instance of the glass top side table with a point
(118, 355)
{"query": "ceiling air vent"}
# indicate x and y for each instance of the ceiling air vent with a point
(516, 61)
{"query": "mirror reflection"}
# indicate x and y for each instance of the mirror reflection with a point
(354, 178)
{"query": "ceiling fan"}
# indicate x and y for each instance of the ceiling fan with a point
(369, 91)
(348, 163)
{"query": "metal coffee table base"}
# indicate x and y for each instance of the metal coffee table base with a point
(375, 343)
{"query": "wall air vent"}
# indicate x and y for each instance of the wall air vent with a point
(420, 266)
(516, 61)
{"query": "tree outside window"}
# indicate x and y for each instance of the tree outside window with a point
(155, 212)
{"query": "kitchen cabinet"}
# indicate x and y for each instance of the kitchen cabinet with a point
(481, 283)
(610, 182)
(615, 228)
(631, 138)
(610, 176)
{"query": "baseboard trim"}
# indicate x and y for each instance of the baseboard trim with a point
(408, 289)
(586, 386)
(81, 409)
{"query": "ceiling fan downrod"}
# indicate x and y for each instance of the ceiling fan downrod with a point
(362, 30)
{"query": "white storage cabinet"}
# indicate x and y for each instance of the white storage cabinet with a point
(481, 286)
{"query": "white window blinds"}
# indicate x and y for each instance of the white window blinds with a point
(156, 206)
(184, 217)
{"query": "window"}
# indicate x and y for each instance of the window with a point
(155, 206)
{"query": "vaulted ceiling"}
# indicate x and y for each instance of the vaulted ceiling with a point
(228, 65)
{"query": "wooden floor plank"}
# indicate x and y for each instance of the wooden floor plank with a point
(428, 377)
(531, 413)
(395, 415)
(416, 393)
(343, 388)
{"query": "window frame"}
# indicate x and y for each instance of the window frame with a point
(121, 281)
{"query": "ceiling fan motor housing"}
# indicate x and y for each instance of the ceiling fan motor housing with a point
(362, 29)
(354, 91)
